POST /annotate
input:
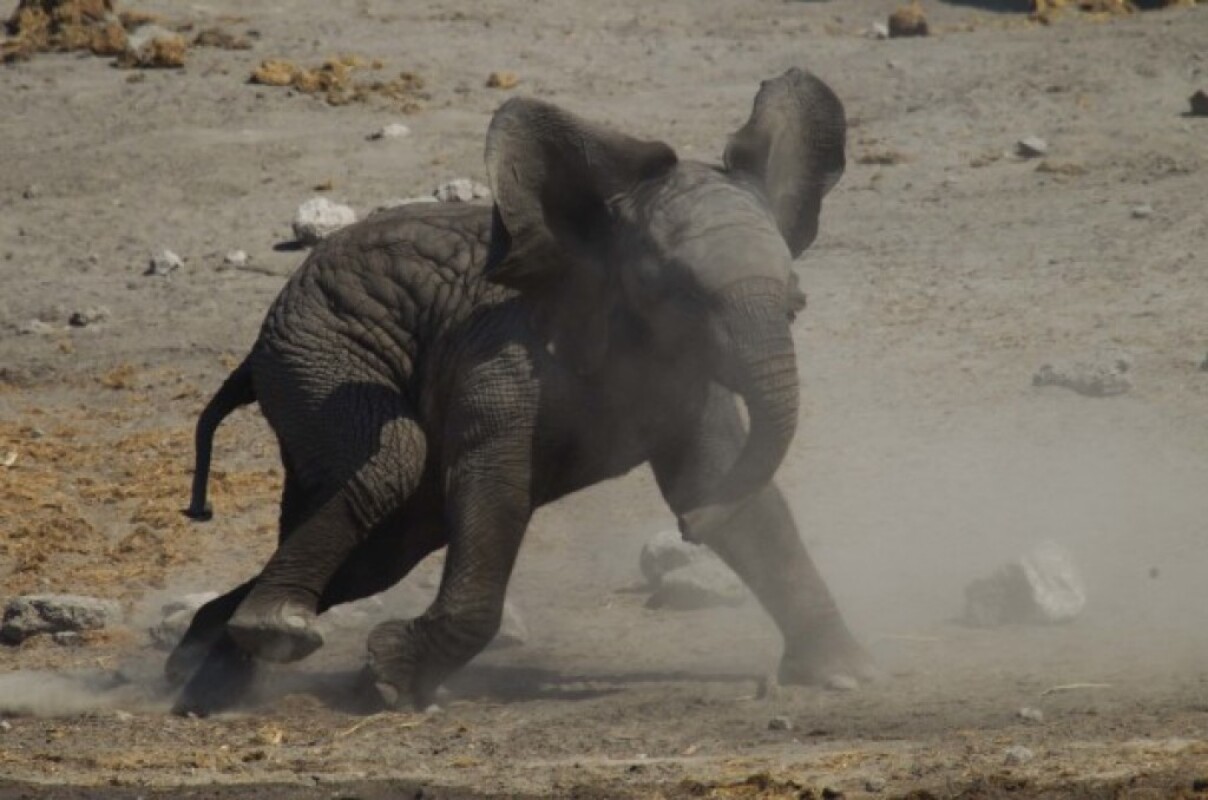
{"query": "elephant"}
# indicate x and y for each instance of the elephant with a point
(437, 372)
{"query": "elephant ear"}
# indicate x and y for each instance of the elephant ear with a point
(793, 148)
(554, 177)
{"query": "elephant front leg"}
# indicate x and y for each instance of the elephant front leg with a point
(488, 511)
(762, 545)
(759, 540)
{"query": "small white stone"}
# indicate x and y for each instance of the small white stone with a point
(318, 218)
(164, 262)
(1014, 756)
(395, 130)
(5, 725)
(460, 190)
(1031, 714)
(780, 724)
(1031, 147)
(878, 30)
(1142, 211)
(235, 258)
(36, 327)
(1104, 374)
(704, 583)
(875, 784)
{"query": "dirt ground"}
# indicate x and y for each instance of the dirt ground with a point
(948, 270)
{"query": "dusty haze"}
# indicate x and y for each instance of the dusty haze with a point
(947, 271)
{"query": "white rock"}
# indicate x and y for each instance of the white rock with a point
(460, 190)
(236, 258)
(666, 551)
(878, 30)
(1142, 211)
(1057, 587)
(395, 130)
(164, 262)
(30, 615)
(5, 725)
(780, 724)
(177, 614)
(1104, 375)
(875, 784)
(1031, 147)
(705, 583)
(1031, 714)
(1014, 756)
(1043, 586)
(318, 218)
(36, 327)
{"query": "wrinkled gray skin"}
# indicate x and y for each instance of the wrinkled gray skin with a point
(436, 373)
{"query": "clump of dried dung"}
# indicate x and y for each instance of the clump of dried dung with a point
(38, 26)
(335, 81)
(95, 26)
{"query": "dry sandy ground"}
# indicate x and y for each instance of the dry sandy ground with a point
(946, 273)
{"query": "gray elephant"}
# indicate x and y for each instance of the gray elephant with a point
(437, 372)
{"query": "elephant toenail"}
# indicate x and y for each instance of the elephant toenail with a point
(295, 621)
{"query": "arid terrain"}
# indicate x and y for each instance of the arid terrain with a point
(949, 269)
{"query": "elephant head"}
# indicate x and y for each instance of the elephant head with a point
(588, 221)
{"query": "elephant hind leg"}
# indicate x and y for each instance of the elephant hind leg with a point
(276, 622)
(219, 672)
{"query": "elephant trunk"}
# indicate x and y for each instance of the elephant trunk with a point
(758, 362)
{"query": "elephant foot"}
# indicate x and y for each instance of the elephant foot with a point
(219, 684)
(833, 661)
(393, 668)
(185, 658)
(280, 629)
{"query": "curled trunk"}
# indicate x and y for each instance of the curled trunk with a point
(756, 360)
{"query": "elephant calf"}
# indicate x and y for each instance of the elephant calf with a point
(437, 372)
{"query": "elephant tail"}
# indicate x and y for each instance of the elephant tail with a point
(236, 391)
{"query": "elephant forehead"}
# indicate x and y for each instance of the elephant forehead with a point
(719, 229)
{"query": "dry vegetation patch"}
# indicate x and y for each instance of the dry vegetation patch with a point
(100, 499)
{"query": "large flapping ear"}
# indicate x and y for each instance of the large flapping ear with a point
(553, 176)
(793, 147)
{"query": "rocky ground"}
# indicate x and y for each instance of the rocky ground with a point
(1003, 345)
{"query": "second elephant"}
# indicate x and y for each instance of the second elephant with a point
(436, 373)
